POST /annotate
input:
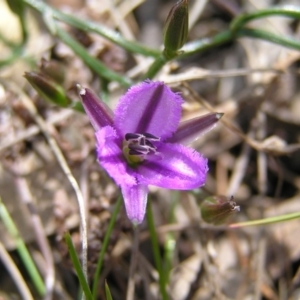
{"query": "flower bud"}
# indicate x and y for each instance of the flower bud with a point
(217, 209)
(190, 130)
(47, 88)
(176, 28)
(53, 69)
(98, 112)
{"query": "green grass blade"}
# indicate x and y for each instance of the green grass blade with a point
(22, 250)
(104, 246)
(107, 292)
(93, 63)
(155, 250)
(76, 263)
(89, 26)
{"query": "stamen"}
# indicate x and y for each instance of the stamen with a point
(151, 137)
(141, 145)
(132, 136)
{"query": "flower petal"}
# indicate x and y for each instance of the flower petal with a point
(135, 199)
(180, 168)
(149, 107)
(190, 130)
(111, 158)
(99, 113)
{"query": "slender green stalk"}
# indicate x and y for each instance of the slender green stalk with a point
(206, 43)
(267, 221)
(155, 67)
(268, 36)
(76, 263)
(92, 62)
(226, 37)
(285, 11)
(22, 250)
(105, 245)
(155, 250)
(189, 49)
(89, 26)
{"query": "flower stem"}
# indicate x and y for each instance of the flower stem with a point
(266, 221)
(155, 249)
(104, 246)
(206, 43)
(89, 26)
(285, 10)
(268, 36)
(155, 67)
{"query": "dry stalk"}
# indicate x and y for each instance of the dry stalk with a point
(15, 273)
(45, 129)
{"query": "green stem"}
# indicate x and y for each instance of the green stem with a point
(285, 11)
(155, 67)
(268, 36)
(267, 221)
(206, 43)
(99, 68)
(155, 249)
(104, 246)
(226, 37)
(22, 250)
(86, 25)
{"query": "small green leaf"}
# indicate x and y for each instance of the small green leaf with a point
(107, 292)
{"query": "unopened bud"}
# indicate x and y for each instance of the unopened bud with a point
(176, 28)
(190, 130)
(98, 112)
(217, 209)
(53, 69)
(47, 88)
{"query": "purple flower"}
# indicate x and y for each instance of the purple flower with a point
(141, 143)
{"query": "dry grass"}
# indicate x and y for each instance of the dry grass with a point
(253, 155)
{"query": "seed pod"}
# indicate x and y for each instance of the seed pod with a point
(217, 209)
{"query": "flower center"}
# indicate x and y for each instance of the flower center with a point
(137, 147)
